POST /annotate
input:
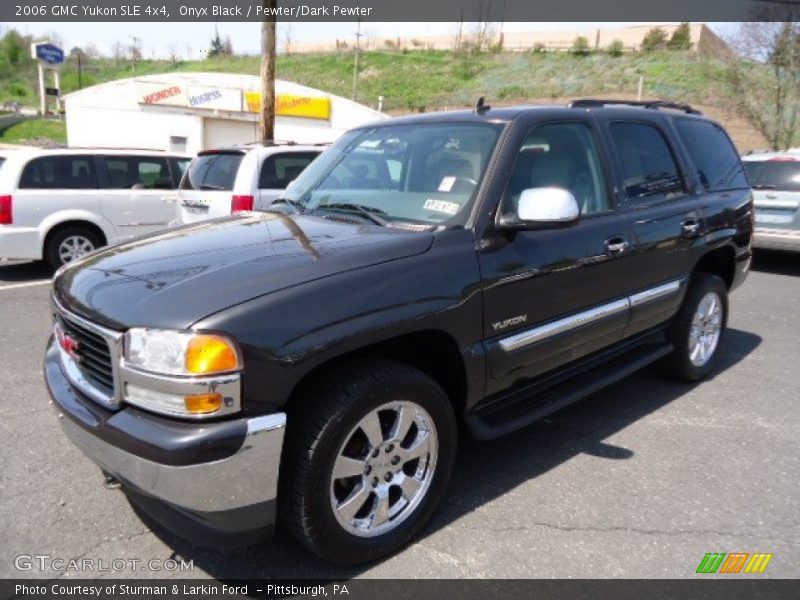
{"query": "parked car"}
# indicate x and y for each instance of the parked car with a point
(775, 177)
(311, 364)
(248, 177)
(61, 204)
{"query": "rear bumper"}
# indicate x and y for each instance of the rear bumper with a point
(20, 242)
(224, 495)
(776, 239)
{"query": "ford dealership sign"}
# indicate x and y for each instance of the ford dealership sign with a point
(50, 54)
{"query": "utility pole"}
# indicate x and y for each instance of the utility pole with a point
(266, 124)
(355, 63)
(135, 51)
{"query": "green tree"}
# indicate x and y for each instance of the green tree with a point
(615, 48)
(580, 47)
(655, 39)
(681, 38)
(217, 47)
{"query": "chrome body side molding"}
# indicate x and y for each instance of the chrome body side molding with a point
(592, 315)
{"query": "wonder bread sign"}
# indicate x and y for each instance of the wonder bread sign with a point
(231, 99)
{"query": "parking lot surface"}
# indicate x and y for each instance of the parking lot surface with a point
(639, 480)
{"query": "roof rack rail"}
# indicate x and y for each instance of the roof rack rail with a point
(652, 104)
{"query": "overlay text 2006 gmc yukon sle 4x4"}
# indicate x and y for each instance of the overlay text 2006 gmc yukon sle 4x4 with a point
(310, 364)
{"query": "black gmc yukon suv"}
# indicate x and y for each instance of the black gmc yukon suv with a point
(311, 364)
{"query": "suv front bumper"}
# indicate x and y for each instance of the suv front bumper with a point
(211, 482)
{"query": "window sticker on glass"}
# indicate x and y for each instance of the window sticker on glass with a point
(442, 206)
(447, 183)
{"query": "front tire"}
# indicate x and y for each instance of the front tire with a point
(368, 456)
(697, 330)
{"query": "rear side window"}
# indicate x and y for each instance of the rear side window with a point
(779, 174)
(137, 172)
(648, 164)
(279, 170)
(215, 171)
(59, 172)
(2, 160)
(716, 160)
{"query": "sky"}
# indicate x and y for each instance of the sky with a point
(190, 40)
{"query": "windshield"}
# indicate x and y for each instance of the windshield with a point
(215, 171)
(424, 174)
(782, 175)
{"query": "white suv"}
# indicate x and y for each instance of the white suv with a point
(248, 177)
(61, 204)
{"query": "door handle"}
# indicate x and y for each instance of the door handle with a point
(690, 227)
(616, 245)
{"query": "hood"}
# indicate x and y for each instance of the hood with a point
(177, 277)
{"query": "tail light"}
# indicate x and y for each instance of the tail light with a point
(5, 210)
(241, 203)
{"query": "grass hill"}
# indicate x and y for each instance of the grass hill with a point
(433, 80)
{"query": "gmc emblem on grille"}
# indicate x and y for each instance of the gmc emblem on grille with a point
(68, 344)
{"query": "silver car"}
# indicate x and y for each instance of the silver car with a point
(775, 177)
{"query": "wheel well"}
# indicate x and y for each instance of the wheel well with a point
(720, 262)
(66, 224)
(433, 352)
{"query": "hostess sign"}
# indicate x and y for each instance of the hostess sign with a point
(48, 53)
(231, 99)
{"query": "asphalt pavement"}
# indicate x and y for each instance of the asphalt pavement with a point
(639, 480)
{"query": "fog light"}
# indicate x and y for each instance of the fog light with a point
(173, 404)
(203, 404)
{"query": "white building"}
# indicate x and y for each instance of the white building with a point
(189, 112)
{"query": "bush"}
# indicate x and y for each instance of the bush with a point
(539, 48)
(615, 48)
(655, 39)
(681, 38)
(580, 47)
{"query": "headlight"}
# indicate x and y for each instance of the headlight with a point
(180, 353)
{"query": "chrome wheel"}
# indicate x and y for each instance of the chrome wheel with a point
(706, 329)
(384, 469)
(73, 247)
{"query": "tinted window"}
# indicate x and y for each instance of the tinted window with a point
(215, 171)
(561, 155)
(776, 174)
(716, 160)
(182, 164)
(59, 172)
(647, 161)
(2, 160)
(279, 170)
(137, 172)
(366, 170)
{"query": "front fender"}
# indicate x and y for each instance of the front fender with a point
(287, 334)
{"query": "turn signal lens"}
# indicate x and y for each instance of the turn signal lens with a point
(202, 404)
(210, 354)
(241, 203)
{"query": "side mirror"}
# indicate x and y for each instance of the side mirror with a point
(543, 207)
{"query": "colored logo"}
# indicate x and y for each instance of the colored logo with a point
(68, 343)
(52, 55)
(734, 562)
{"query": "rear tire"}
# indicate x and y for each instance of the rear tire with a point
(69, 244)
(368, 455)
(697, 330)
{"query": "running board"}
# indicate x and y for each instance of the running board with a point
(525, 406)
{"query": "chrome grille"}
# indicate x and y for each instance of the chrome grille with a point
(94, 356)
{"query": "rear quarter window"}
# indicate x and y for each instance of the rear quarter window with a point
(216, 171)
(715, 159)
(59, 172)
(279, 170)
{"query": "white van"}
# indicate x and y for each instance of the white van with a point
(248, 177)
(61, 204)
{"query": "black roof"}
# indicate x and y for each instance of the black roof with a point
(628, 109)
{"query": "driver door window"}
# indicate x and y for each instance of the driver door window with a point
(562, 155)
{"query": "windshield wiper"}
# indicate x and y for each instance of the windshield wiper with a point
(763, 186)
(297, 206)
(208, 186)
(368, 212)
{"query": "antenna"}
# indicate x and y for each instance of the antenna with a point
(481, 106)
